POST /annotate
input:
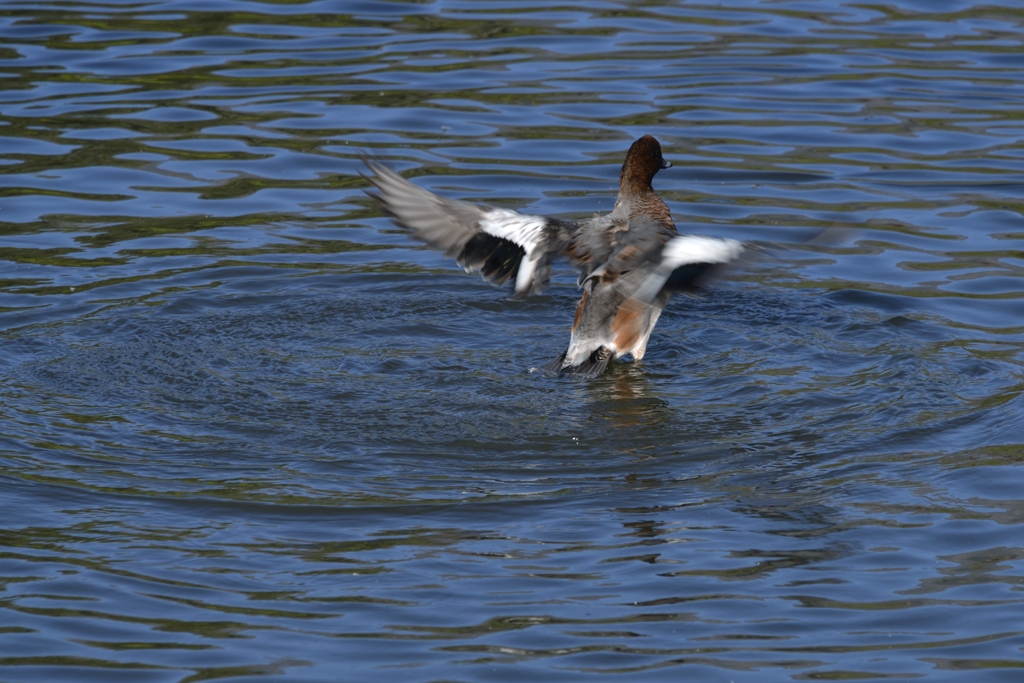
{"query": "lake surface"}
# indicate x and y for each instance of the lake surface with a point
(250, 431)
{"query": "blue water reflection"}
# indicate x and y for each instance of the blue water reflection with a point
(251, 430)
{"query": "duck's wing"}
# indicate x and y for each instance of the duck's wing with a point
(498, 243)
(682, 264)
(593, 244)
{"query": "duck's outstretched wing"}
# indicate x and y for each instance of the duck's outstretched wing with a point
(682, 264)
(498, 243)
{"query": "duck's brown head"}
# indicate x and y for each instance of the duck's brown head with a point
(643, 160)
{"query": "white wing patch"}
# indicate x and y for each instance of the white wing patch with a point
(521, 229)
(684, 250)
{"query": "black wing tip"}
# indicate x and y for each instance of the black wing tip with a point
(692, 276)
(496, 258)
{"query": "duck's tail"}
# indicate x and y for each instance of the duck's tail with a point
(595, 364)
(555, 366)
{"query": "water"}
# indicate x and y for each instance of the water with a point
(250, 431)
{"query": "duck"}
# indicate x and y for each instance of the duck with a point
(630, 261)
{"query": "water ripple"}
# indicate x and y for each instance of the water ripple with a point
(250, 429)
